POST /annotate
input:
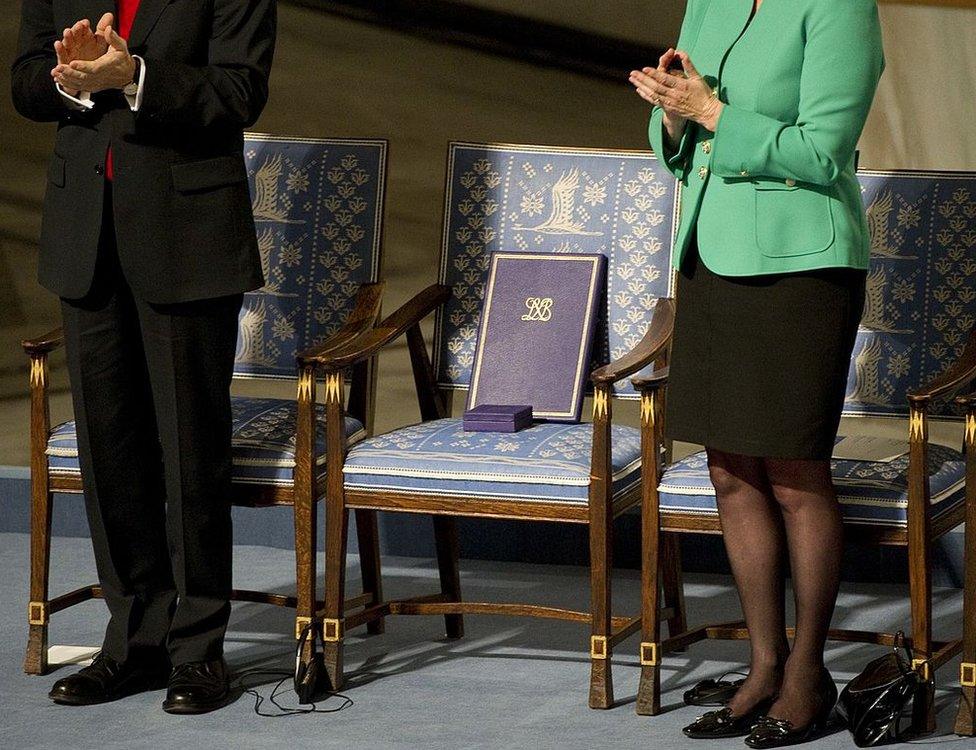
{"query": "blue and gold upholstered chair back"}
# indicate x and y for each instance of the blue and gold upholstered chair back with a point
(921, 289)
(537, 199)
(318, 206)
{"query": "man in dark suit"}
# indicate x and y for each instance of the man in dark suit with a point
(147, 237)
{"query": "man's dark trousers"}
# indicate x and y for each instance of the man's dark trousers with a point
(151, 396)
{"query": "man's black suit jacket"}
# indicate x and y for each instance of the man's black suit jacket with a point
(180, 199)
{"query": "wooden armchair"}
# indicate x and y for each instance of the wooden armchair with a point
(918, 327)
(318, 207)
(533, 199)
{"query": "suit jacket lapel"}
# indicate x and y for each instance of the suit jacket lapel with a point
(722, 27)
(145, 19)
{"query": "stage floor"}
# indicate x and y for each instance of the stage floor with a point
(508, 684)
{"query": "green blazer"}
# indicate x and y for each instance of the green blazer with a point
(773, 190)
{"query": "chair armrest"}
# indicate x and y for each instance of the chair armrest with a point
(363, 317)
(369, 342)
(44, 344)
(655, 379)
(959, 374)
(655, 341)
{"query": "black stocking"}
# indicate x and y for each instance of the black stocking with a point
(752, 527)
(814, 531)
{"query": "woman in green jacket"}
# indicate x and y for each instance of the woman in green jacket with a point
(758, 113)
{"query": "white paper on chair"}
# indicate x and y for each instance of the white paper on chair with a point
(869, 448)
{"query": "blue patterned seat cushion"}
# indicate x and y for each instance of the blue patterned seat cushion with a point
(544, 463)
(263, 442)
(873, 493)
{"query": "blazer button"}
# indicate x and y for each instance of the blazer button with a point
(99, 169)
(707, 147)
(703, 172)
(791, 183)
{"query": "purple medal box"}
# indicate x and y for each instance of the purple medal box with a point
(497, 418)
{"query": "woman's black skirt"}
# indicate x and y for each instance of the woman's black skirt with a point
(759, 364)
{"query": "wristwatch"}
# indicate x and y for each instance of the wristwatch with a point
(131, 89)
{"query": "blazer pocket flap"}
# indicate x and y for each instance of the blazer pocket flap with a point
(55, 170)
(209, 173)
(781, 185)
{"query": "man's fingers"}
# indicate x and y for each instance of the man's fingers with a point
(82, 66)
(104, 22)
(72, 79)
(114, 40)
(61, 52)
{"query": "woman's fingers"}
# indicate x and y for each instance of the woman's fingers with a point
(665, 59)
(690, 70)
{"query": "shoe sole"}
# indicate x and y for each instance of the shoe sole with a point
(67, 700)
(179, 709)
(713, 736)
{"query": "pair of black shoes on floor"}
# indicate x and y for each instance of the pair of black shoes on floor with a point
(192, 688)
(762, 731)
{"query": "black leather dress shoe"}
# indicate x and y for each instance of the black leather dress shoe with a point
(722, 723)
(107, 680)
(198, 687)
(770, 732)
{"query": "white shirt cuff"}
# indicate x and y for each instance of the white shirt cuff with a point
(82, 101)
(135, 101)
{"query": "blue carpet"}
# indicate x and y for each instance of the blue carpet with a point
(508, 684)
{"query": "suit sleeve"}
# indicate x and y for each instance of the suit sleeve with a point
(842, 65)
(32, 88)
(676, 161)
(232, 88)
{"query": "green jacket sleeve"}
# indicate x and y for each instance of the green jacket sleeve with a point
(676, 162)
(842, 64)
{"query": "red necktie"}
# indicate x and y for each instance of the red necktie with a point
(123, 26)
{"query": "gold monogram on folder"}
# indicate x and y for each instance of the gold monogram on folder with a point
(540, 309)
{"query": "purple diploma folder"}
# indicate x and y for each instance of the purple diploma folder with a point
(498, 418)
(537, 327)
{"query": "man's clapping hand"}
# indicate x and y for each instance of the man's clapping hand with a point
(113, 69)
(81, 43)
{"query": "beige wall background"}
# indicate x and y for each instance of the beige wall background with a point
(924, 116)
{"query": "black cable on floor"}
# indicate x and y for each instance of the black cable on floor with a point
(284, 710)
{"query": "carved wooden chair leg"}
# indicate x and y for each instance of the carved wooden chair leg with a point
(923, 710)
(448, 558)
(333, 624)
(367, 533)
(659, 553)
(601, 650)
(649, 688)
(305, 578)
(966, 716)
(673, 583)
(35, 661)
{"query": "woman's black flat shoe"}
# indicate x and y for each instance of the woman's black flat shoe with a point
(770, 732)
(713, 692)
(721, 724)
